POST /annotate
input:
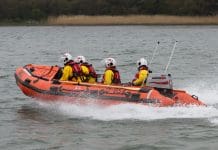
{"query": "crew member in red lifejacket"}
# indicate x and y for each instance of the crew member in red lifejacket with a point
(71, 70)
(88, 73)
(142, 74)
(111, 74)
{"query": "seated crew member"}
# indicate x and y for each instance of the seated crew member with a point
(111, 74)
(88, 73)
(142, 74)
(71, 70)
(67, 72)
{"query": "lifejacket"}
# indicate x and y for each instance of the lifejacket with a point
(77, 71)
(142, 68)
(116, 78)
(92, 72)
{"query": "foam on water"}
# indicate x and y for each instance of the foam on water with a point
(206, 92)
(133, 111)
(140, 112)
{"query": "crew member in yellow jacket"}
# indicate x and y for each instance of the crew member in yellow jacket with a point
(71, 70)
(67, 71)
(142, 74)
(111, 74)
(88, 73)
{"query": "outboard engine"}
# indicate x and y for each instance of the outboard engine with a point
(162, 82)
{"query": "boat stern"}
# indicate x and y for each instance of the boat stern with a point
(183, 98)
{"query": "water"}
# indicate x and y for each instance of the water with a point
(26, 124)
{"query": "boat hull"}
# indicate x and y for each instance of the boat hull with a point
(39, 82)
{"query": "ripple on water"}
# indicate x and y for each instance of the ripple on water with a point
(120, 127)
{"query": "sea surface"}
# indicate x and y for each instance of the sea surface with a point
(26, 124)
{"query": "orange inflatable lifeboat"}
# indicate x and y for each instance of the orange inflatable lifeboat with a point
(41, 82)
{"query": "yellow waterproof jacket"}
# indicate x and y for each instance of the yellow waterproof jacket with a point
(108, 77)
(140, 77)
(86, 77)
(111, 75)
(85, 73)
(67, 73)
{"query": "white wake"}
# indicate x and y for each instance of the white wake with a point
(140, 112)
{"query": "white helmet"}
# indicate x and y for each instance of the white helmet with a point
(80, 59)
(67, 57)
(142, 62)
(110, 62)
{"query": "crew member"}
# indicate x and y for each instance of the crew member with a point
(142, 75)
(111, 74)
(67, 72)
(88, 73)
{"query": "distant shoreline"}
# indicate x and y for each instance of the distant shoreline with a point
(81, 20)
(133, 20)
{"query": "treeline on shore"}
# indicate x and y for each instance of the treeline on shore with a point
(20, 10)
